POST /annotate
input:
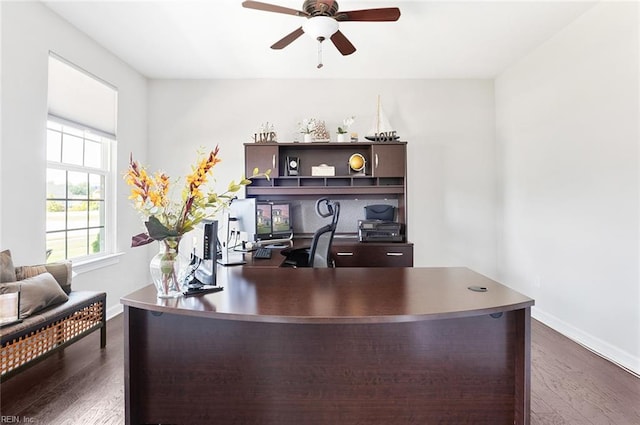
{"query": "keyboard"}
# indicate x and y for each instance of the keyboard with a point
(262, 254)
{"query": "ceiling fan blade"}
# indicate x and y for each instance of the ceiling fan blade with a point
(341, 42)
(258, 5)
(372, 15)
(287, 39)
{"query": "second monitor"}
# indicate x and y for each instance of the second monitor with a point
(262, 220)
(273, 220)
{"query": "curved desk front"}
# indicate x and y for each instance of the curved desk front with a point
(330, 346)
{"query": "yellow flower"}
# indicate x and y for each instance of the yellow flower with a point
(150, 196)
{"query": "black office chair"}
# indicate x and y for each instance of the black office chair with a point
(319, 253)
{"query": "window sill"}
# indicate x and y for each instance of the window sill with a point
(96, 263)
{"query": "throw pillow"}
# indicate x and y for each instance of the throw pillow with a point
(61, 271)
(7, 271)
(36, 293)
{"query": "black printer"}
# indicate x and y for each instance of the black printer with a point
(380, 231)
(379, 225)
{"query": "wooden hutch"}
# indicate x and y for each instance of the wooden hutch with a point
(384, 176)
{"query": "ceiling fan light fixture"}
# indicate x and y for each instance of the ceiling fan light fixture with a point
(322, 27)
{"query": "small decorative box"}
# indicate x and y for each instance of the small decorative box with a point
(323, 170)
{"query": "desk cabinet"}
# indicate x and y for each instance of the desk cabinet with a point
(373, 254)
(388, 160)
(262, 156)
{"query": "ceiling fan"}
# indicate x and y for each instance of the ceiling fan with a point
(323, 17)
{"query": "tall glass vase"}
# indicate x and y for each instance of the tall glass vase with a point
(168, 268)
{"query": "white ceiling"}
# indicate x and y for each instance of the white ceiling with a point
(221, 39)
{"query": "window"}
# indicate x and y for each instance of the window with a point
(80, 178)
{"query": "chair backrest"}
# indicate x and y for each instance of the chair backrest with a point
(320, 252)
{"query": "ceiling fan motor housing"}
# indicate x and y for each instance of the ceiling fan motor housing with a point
(320, 7)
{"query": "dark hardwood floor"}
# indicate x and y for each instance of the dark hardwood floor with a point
(84, 385)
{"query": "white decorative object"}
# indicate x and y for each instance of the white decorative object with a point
(308, 127)
(320, 133)
(343, 137)
(382, 130)
(323, 170)
(346, 124)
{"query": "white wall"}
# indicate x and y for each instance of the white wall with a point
(550, 210)
(449, 126)
(448, 123)
(567, 130)
(1, 59)
(29, 32)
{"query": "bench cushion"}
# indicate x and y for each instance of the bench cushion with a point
(77, 300)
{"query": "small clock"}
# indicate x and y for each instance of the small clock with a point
(293, 165)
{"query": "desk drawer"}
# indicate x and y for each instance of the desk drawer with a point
(369, 255)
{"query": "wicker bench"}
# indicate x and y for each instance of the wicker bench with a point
(54, 315)
(52, 329)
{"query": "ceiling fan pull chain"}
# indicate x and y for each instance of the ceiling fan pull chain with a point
(320, 39)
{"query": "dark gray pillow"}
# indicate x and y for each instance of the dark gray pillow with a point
(36, 293)
(7, 271)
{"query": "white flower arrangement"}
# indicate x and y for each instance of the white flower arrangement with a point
(346, 123)
(308, 125)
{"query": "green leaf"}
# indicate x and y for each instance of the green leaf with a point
(256, 171)
(158, 231)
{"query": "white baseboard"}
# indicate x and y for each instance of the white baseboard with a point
(598, 346)
(114, 311)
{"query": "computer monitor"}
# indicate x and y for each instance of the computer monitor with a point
(242, 214)
(263, 220)
(281, 219)
(273, 220)
(205, 250)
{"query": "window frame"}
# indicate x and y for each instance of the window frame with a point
(108, 170)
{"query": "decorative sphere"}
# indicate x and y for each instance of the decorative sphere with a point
(356, 162)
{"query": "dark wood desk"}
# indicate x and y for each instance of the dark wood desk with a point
(330, 346)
